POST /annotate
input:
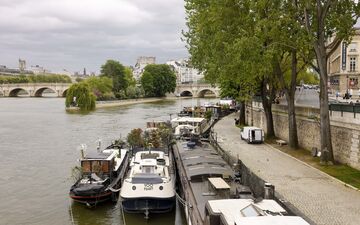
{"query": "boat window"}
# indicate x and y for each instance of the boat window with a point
(148, 169)
(146, 179)
(160, 161)
(149, 155)
(95, 166)
(251, 210)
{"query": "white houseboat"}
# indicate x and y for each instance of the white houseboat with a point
(149, 186)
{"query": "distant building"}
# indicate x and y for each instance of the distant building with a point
(141, 62)
(22, 65)
(39, 70)
(343, 66)
(13, 72)
(185, 73)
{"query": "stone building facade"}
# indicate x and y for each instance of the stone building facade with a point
(185, 73)
(141, 62)
(344, 67)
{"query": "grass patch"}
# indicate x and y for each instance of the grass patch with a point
(342, 172)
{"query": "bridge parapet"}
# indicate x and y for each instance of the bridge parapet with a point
(197, 89)
(33, 89)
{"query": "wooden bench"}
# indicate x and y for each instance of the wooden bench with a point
(281, 142)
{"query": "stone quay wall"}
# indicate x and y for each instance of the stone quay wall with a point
(345, 134)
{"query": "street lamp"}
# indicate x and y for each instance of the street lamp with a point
(347, 86)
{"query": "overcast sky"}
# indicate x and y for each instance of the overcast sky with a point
(73, 34)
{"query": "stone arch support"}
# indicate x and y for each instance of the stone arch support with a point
(39, 91)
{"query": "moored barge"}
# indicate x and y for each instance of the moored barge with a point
(100, 176)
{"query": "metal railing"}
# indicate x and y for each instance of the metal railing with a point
(345, 107)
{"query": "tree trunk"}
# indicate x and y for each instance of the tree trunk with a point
(242, 113)
(290, 97)
(267, 96)
(325, 132)
(293, 137)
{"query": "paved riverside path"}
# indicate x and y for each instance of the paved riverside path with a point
(322, 199)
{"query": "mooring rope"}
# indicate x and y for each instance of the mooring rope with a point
(72, 216)
(114, 190)
(182, 201)
(123, 215)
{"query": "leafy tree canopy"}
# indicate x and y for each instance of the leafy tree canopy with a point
(116, 71)
(100, 86)
(136, 138)
(129, 77)
(80, 95)
(157, 80)
(51, 78)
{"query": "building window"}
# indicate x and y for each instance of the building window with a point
(353, 82)
(353, 47)
(352, 64)
(334, 80)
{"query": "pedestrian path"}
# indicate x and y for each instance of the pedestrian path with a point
(319, 197)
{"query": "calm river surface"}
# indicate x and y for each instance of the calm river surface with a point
(39, 145)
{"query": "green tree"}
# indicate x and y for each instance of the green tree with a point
(136, 138)
(322, 20)
(116, 71)
(80, 95)
(157, 80)
(50, 78)
(227, 44)
(101, 87)
(129, 77)
(147, 83)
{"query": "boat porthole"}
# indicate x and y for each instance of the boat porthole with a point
(134, 188)
(161, 188)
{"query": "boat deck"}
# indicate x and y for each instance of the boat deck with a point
(197, 164)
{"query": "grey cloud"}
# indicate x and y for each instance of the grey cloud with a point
(84, 33)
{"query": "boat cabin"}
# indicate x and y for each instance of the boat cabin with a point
(149, 166)
(197, 122)
(98, 165)
(248, 212)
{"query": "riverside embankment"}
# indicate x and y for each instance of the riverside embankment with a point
(319, 197)
(116, 103)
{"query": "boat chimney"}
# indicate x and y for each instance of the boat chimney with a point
(269, 191)
(82, 150)
(98, 144)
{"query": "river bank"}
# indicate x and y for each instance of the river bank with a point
(115, 103)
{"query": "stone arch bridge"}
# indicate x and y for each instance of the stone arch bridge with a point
(196, 90)
(33, 89)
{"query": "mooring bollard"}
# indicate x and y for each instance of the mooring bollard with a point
(269, 191)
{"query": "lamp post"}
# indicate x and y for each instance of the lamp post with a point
(347, 86)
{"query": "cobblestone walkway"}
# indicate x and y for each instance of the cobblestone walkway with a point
(322, 199)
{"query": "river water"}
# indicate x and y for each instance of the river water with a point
(39, 146)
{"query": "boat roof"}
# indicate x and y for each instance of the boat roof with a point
(202, 161)
(188, 119)
(232, 211)
(233, 206)
(270, 220)
(107, 154)
(97, 156)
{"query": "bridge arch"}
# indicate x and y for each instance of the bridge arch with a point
(207, 92)
(64, 93)
(39, 92)
(15, 92)
(186, 93)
